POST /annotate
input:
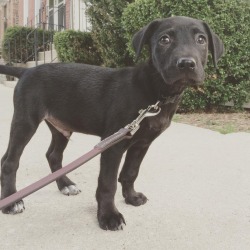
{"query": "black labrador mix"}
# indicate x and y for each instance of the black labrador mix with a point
(99, 101)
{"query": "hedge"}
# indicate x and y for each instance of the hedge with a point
(107, 30)
(76, 46)
(17, 48)
(230, 20)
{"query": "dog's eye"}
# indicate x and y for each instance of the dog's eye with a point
(201, 39)
(165, 40)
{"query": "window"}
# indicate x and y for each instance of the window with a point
(61, 17)
(56, 14)
(51, 3)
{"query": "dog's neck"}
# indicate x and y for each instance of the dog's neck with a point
(156, 88)
(170, 99)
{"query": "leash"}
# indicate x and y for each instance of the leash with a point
(124, 133)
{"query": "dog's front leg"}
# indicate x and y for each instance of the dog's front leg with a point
(108, 216)
(129, 173)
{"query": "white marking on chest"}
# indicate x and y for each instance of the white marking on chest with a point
(159, 123)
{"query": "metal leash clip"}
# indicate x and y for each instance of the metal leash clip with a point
(151, 110)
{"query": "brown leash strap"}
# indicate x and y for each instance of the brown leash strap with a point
(124, 133)
(99, 148)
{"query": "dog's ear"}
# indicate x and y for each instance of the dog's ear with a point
(143, 36)
(215, 45)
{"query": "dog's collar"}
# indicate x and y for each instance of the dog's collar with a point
(169, 99)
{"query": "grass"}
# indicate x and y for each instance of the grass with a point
(227, 128)
(224, 123)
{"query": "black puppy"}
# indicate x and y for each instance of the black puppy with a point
(99, 101)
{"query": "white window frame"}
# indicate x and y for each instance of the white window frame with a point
(55, 10)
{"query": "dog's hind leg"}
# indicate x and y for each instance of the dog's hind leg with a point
(55, 156)
(22, 129)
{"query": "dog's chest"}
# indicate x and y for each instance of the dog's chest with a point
(158, 123)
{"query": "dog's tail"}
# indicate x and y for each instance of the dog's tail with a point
(12, 71)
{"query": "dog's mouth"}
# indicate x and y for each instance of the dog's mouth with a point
(188, 82)
(184, 80)
(176, 87)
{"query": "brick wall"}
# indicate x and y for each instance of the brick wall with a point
(67, 13)
(20, 13)
(9, 15)
(1, 23)
(15, 12)
(31, 13)
(44, 11)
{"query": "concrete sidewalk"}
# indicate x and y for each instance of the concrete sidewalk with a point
(197, 182)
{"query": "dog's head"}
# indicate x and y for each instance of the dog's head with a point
(179, 47)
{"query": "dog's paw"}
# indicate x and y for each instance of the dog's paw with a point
(137, 199)
(16, 208)
(112, 221)
(70, 190)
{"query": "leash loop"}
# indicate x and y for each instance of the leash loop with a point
(151, 110)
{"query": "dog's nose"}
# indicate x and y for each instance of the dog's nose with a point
(186, 63)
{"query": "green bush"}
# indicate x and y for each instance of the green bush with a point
(18, 48)
(230, 20)
(107, 30)
(76, 46)
(137, 15)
